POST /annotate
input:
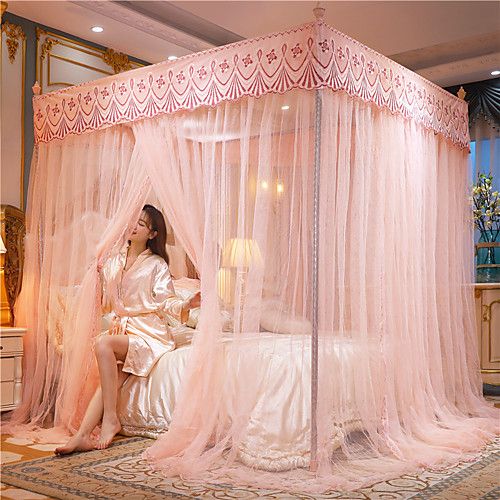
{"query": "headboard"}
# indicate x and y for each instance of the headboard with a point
(13, 230)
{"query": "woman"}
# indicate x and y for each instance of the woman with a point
(139, 293)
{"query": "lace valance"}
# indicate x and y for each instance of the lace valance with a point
(309, 57)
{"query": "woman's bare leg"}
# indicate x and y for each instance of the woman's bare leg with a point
(82, 440)
(109, 350)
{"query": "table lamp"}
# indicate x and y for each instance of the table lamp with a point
(241, 254)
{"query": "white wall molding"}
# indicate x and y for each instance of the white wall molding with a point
(146, 24)
(471, 70)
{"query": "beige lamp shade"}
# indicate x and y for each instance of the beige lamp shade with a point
(241, 252)
(2, 246)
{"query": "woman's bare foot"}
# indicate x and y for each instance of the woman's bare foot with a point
(76, 443)
(110, 427)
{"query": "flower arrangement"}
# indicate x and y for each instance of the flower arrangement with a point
(486, 207)
(486, 211)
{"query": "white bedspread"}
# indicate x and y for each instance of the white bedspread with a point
(277, 436)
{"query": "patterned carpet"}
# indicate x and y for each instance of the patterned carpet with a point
(118, 472)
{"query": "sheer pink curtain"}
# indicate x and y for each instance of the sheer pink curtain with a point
(396, 287)
(398, 380)
(175, 170)
(84, 191)
(238, 154)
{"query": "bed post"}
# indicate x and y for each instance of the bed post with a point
(319, 13)
(315, 271)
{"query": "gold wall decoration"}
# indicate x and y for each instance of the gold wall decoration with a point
(13, 230)
(47, 47)
(3, 6)
(14, 33)
(118, 61)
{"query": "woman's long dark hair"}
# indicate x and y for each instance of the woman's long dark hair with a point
(157, 223)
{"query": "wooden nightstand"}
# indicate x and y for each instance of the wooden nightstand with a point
(488, 329)
(11, 363)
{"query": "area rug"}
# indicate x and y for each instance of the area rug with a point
(119, 472)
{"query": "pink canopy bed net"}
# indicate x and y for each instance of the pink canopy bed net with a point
(320, 189)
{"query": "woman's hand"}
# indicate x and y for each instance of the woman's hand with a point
(194, 301)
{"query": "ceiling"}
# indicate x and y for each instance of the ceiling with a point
(448, 42)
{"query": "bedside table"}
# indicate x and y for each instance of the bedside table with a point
(11, 363)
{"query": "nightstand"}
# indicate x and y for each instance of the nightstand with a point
(11, 366)
(487, 297)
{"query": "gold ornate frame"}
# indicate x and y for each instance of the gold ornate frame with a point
(117, 61)
(13, 230)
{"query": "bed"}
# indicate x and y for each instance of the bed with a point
(277, 433)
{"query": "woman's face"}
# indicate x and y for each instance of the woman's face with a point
(142, 232)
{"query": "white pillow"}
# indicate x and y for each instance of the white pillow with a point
(276, 320)
(185, 288)
(182, 335)
(194, 316)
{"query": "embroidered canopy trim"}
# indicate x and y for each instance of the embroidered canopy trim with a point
(312, 56)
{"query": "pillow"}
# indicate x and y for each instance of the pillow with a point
(276, 320)
(194, 316)
(182, 335)
(185, 288)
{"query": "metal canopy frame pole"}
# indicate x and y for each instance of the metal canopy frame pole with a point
(315, 274)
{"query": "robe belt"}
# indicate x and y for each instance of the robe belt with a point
(119, 325)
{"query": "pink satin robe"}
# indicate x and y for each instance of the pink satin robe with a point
(139, 300)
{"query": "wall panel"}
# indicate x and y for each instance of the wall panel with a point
(62, 62)
(13, 64)
(54, 59)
